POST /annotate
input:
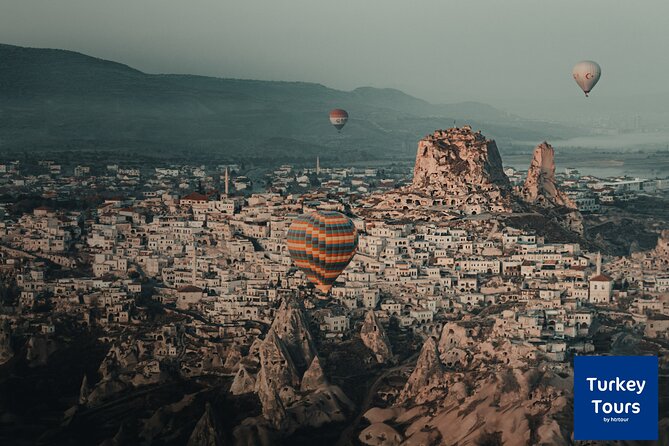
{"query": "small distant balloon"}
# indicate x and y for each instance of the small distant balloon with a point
(322, 244)
(338, 118)
(586, 74)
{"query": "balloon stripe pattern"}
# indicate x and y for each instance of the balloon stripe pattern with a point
(322, 244)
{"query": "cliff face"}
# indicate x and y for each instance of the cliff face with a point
(458, 160)
(540, 186)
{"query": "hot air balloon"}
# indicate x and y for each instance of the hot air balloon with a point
(338, 118)
(321, 244)
(586, 74)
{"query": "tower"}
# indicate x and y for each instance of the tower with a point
(318, 165)
(194, 264)
(227, 181)
(601, 285)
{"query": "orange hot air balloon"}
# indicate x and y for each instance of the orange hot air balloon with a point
(322, 244)
(338, 118)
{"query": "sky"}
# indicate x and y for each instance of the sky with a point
(509, 53)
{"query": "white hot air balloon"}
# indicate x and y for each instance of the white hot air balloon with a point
(586, 74)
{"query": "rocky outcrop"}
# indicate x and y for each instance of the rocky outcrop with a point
(314, 377)
(125, 366)
(457, 171)
(502, 394)
(662, 248)
(290, 382)
(458, 160)
(277, 370)
(123, 436)
(375, 339)
(540, 186)
(207, 431)
(380, 434)
(290, 326)
(327, 404)
(232, 358)
(6, 351)
(84, 391)
(540, 191)
(427, 374)
(273, 409)
(243, 382)
(39, 349)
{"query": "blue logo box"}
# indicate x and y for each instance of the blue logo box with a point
(615, 398)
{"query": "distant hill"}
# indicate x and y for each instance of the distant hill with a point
(63, 100)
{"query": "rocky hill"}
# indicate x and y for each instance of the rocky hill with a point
(458, 174)
(456, 161)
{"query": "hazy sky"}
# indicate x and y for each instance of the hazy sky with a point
(496, 51)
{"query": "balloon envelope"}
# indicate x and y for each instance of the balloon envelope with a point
(338, 118)
(586, 74)
(322, 244)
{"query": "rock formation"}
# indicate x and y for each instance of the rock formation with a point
(243, 382)
(232, 358)
(458, 160)
(277, 370)
(290, 382)
(375, 339)
(290, 326)
(84, 391)
(457, 171)
(314, 377)
(662, 248)
(540, 191)
(273, 409)
(540, 186)
(501, 395)
(39, 349)
(380, 434)
(6, 352)
(428, 372)
(207, 431)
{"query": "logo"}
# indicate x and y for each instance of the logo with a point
(615, 398)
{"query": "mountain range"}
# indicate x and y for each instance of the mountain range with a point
(58, 100)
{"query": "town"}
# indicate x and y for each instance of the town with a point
(181, 270)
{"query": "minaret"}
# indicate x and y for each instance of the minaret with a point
(318, 165)
(227, 181)
(194, 264)
(599, 263)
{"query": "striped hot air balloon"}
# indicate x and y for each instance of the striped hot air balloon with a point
(321, 244)
(338, 118)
